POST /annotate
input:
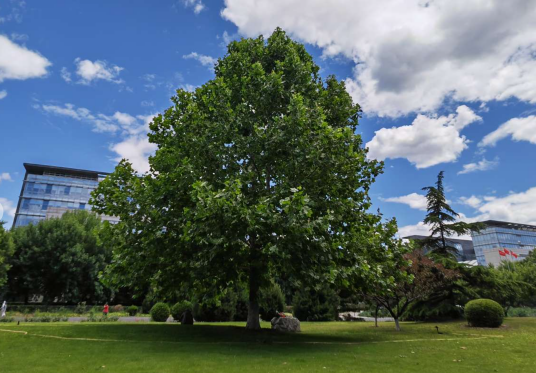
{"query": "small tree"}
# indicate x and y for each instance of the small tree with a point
(6, 251)
(415, 280)
(59, 259)
(442, 220)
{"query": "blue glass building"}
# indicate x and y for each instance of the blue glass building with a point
(49, 191)
(499, 235)
(464, 248)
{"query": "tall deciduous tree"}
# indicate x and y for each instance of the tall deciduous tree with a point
(6, 250)
(59, 259)
(259, 171)
(442, 220)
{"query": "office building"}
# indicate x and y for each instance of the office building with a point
(49, 191)
(464, 248)
(490, 243)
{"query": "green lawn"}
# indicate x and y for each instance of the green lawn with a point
(227, 347)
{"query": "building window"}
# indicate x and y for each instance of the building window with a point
(82, 206)
(48, 189)
(45, 205)
(67, 190)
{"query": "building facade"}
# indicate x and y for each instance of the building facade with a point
(49, 191)
(518, 240)
(464, 248)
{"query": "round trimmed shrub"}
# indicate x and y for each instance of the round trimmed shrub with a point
(179, 308)
(484, 313)
(160, 312)
(132, 310)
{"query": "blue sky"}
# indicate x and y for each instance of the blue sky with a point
(444, 85)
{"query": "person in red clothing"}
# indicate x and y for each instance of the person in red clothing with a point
(105, 310)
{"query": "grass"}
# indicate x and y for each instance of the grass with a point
(227, 347)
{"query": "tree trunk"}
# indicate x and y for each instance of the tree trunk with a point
(253, 322)
(397, 325)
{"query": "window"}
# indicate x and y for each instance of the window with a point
(67, 190)
(25, 204)
(48, 189)
(45, 205)
(82, 206)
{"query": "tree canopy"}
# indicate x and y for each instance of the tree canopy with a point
(6, 250)
(59, 259)
(258, 172)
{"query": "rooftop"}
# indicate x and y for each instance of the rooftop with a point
(40, 169)
(505, 224)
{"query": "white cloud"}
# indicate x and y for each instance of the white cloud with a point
(134, 144)
(483, 165)
(19, 63)
(90, 71)
(428, 141)
(4, 176)
(137, 150)
(19, 37)
(65, 74)
(419, 229)
(472, 201)
(196, 5)
(515, 207)
(520, 129)
(413, 200)
(203, 60)
(411, 55)
(146, 103)
(7, 206)
(3, 94)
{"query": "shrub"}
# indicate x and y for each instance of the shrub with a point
(316, 305)
(80, 308)
(222, 309)
(117, 308)
(484, 313)
(7, 319)
(179, 308)
(132, 310)
(160, 312)
(271, 301)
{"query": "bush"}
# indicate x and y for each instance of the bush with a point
(132, 310)
(316, 305)
(117, 308)
(80, 308)
(484, 313)
(271, 301)
(160, 312)
(222, 309)
(7, 319)
(179, 308)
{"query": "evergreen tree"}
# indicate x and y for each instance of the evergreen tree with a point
(442, 220)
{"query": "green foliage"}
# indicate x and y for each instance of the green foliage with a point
(160, 312)
(59, 259)
(221, 308)
(260, 171)
(271, 301)
(132, 310)
(7, 319)
(442, 220)
(316, 304)
(522, 312)
(6, 251)
(179, 308)
(484, 313)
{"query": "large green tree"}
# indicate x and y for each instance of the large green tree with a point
(442, 220)
(6, 250)
(258, 172)
(59, 259)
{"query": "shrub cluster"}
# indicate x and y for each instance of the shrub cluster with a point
(93, 318)
(316, 305)
(484, 313)
(46, 319)
(271, 301)
(179, 308)
(132, 310)
(160, 312)
(117, 308)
